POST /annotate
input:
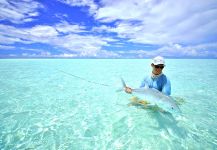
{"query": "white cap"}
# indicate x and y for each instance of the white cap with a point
(158, 60)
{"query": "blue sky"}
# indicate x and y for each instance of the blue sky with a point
(108, 28)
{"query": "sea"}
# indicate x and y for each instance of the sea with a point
(75, 104)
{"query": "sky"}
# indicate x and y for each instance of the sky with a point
(108, 28)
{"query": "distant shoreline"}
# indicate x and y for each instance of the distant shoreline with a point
(88, 58)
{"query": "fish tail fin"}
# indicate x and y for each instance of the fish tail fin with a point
(123, 85)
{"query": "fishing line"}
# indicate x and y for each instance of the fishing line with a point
(106, 85)
(84, 79)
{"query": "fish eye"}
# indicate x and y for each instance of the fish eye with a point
(172, 107)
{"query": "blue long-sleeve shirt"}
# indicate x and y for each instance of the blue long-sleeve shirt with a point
(161, 83)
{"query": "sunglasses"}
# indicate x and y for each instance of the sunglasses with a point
(156, 66)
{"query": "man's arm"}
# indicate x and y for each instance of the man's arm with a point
(167, 87)
(144, 82)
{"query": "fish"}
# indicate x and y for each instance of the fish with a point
(155, 97)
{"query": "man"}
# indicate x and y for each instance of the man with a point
(157, 79)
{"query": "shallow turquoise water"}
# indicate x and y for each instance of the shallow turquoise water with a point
(43, 108)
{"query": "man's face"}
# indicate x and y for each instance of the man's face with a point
(157, 69)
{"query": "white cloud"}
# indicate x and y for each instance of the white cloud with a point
(65, 27)
(66, 55)
(89, 3)
(4, 39)
(124, 10)
(34, 55)
(61, 16)
(176, 50)
(161, 22)
(84, 45)
(19, 11)
(45, 54)
(103, 28)
(92, 46)
(12, 55)
(42, 31)
(107, 54)
(167, 23)
(6, 47)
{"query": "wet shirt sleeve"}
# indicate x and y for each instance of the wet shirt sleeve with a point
(166, 89)
(142, 84)
(145, 82)
(162, 84)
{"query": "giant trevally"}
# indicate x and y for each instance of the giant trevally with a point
(155, 97)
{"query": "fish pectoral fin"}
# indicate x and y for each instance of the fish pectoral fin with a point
(134, 99)
(137, 100)
(143, 102)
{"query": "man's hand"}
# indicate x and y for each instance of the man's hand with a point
(128, 90)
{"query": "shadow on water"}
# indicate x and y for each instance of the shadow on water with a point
(168, 123)
(165, 121)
